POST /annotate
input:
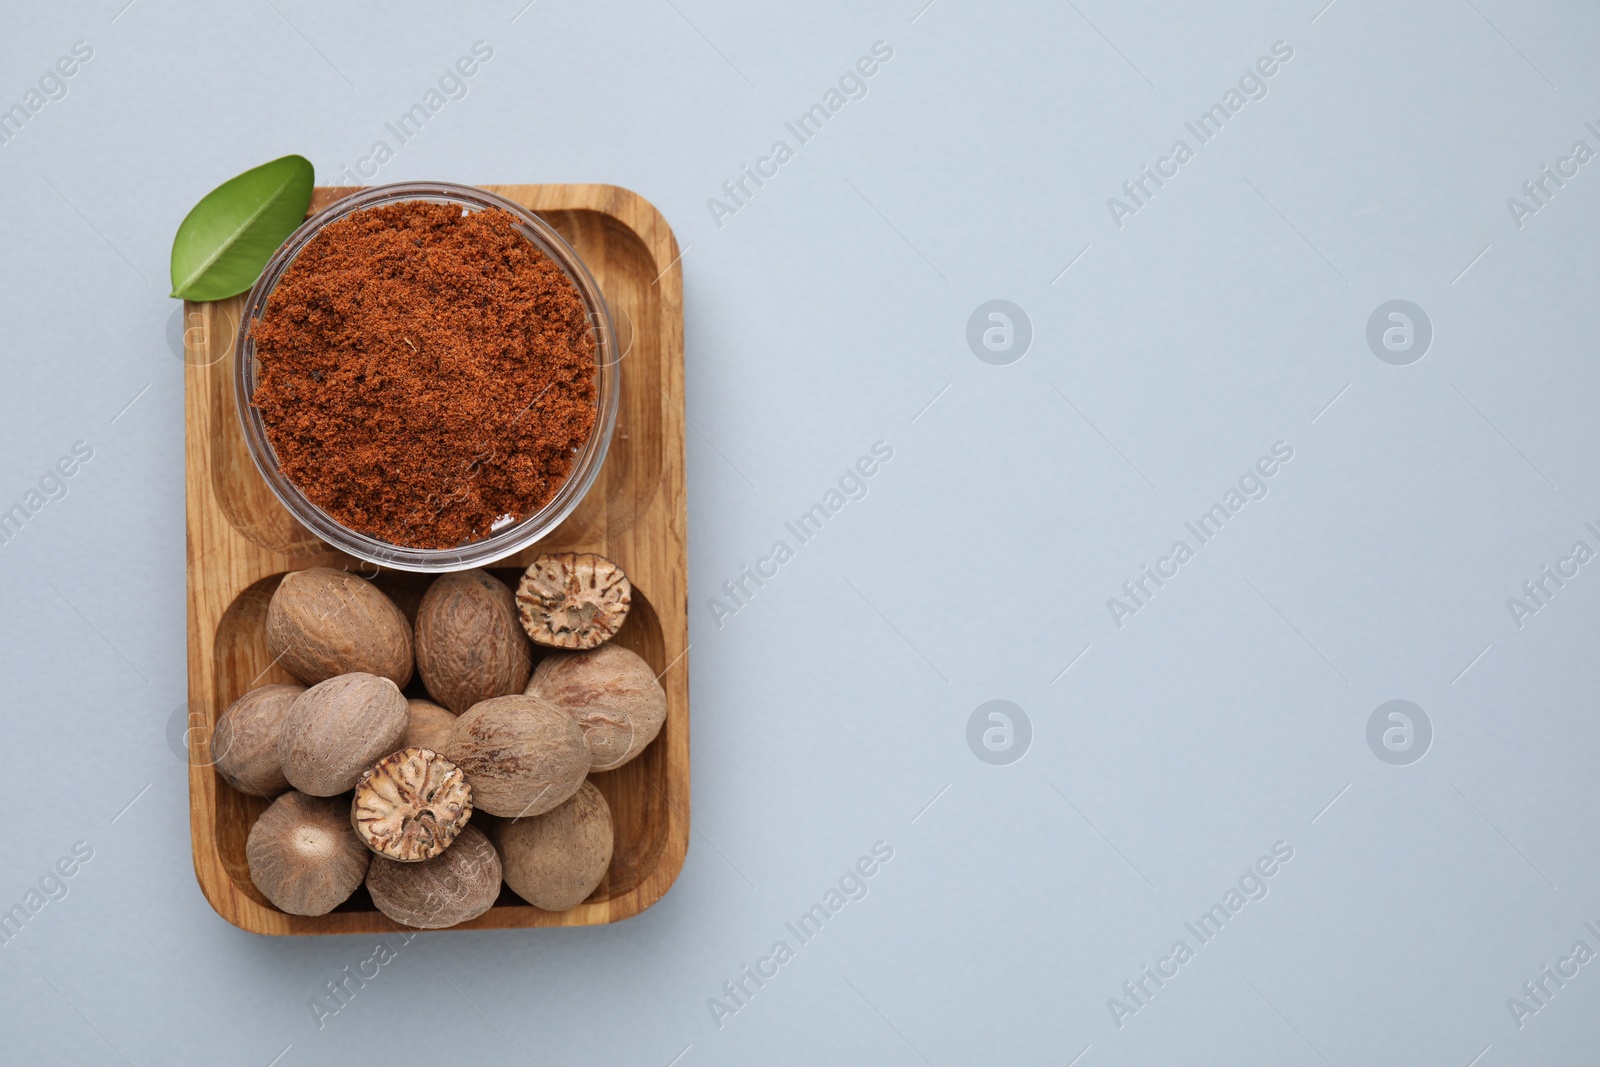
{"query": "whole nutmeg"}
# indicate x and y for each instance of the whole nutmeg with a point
(244, 746)
(337, 729)
(428, 726)
(612, 694)
(458, 884)
(555, 860)
(304, 855)
(470, 646)
(521, 755)
(411, 805)
(322, 623)
(573, 599)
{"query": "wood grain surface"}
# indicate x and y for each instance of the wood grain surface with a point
(241, 541)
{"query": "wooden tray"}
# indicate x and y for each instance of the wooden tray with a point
(240, 540)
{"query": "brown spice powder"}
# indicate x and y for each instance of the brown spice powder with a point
(424, 373)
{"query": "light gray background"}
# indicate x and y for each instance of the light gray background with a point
(828, 713)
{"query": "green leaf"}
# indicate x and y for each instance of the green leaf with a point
(227, 238)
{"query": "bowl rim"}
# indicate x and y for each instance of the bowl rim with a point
(515, 536)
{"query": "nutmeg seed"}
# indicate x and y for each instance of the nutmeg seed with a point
(470, 646)
(324, 622)
(337, 729)
(521, 755)
(304, 856)
(428, 725)
(612, 694)
(244, 746)
(555, 860)
(458, 884)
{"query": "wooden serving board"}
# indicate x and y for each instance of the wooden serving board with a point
(241, 540)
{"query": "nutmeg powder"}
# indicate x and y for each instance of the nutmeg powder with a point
(424, 373)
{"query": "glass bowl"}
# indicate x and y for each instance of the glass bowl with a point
(502, 541)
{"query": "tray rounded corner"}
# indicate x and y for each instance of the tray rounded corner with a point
(667, 876)
(224, 903)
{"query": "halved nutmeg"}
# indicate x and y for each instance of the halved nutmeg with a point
(411, 805)
(573, 600)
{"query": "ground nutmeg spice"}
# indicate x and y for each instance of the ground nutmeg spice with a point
(425, 373)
